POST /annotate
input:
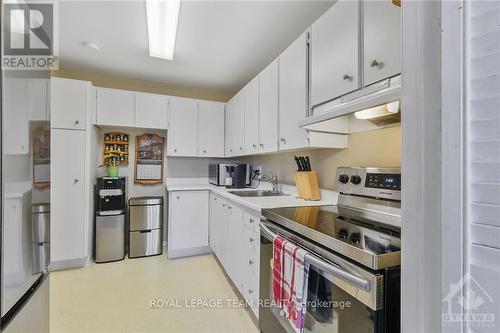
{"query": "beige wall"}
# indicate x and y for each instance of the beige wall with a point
(378, 148)
(118, 82)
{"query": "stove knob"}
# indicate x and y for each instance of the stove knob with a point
(343, 234)
(355, 179)
(355, 238)
(343, 179)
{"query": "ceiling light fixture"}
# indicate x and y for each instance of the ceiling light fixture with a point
(162, 18)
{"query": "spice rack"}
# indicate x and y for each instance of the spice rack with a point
(116, 147)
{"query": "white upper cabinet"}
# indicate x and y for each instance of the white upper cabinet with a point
(38, 93)
(251, 114)
(268, 108)
(293, 94)
(182, 133)
(235, 123)
(335, 52)
(382, 40)
(15, 118)
(68, 103)
(151, 111)
(210, 129)
(115, 107)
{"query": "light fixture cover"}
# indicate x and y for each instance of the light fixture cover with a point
(162, 16)
(378, 111)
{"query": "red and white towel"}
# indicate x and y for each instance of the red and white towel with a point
(290, 276)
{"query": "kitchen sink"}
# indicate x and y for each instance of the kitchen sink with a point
(258, 193)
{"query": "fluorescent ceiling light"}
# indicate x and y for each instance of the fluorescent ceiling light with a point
(378, 111)
(162, 27)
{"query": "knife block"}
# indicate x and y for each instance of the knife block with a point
(307, 185)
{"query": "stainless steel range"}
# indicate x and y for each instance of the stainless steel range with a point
(354, 251)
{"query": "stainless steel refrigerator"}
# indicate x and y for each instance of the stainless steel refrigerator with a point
(24, 289)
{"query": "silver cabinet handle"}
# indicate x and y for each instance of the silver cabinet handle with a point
(76, 122)
(175, 150)
(254, 146)
(251, 240)
(375, 63)
(250, 262)
(347, 77)
(251, 220)
(241, 148)
(261, 145)
(224, 205)
(204, 151)
(178, 197)
(326, 266)
(229, 207)
(231, 150)
(250, 291)
(283, 140)
(75, 181)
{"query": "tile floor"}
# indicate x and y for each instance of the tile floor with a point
(115, 297)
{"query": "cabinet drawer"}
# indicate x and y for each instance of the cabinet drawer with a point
(145, 243)
(251, 222)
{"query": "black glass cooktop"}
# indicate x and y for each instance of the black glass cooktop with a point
(369, 237)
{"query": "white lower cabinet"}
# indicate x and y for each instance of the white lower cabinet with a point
(187, 223)
(235, 242)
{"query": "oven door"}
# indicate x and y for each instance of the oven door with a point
(341, 297)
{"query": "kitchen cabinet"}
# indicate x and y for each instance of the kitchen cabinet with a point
(67, 225)
(15, 118)
(115, 107)
(268, 108)
(183, 131)
(251, 114)
(234, 258)
(38, 93)
(210, 129)
(151, 111)
(381, 40)
(251, 250)
(188, 227)
(293, 94)
(235, 114)
(228, 143)
(68, 103)
(335, 52)
(214, 224)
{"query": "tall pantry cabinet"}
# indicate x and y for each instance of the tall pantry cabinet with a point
(72, 171)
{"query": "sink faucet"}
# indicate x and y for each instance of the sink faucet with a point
(273, 179)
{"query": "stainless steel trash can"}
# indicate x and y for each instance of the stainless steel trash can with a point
(146, 226)
(40, 227)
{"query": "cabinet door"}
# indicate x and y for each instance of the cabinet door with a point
(38, 91)
(214, 224)
(229, 141)
(234, 236)
(238, 124)
(115, 107)
(268, 108)
(334, 52)
(222, 232)
(210, 129)
(188, 227)
(293, 94)
(151, 111)
(67, 224)
(15, 118)
(251, 114)
(183, 127)
(68, 103)
(382, 40)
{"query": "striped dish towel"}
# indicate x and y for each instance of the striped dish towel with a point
(290, 276)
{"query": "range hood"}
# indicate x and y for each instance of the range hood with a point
(370, 107)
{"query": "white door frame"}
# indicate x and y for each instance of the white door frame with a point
(421, 260)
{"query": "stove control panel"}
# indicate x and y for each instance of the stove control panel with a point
(384, 183)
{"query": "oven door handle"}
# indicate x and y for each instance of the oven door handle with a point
(326, 266)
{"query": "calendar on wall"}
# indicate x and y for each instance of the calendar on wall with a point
(149, 159)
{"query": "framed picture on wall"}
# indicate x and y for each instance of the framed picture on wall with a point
(149, 159)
